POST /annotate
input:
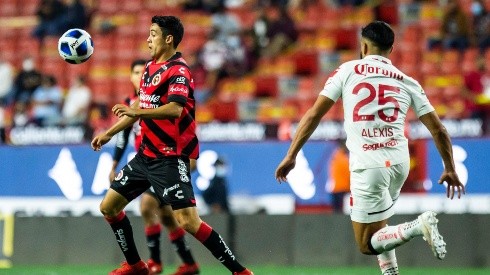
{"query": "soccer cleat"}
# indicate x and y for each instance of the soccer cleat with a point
(245, 272)
(431, 234)
(187, 269)
(154, 267)
(139, 268)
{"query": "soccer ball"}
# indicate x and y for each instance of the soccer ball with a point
(75, 46)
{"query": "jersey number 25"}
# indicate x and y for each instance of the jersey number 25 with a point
(382, 100)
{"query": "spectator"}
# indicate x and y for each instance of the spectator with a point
(76, 103)
(213, 57)
(227, 27)
(46, 101)
(456, 30)
(275, 31)
(477, 93)
(26, 81)
(339, 176)
(202, 5)
(481, 24)
(3, 137)
(216, 195)
(7, 77)
(56, 17)
(20, 116)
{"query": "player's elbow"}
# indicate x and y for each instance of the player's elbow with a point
(175, 111)
(440, 130)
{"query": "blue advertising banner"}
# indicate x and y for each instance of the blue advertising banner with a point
(78, 174)
(472, 165)
(77, 171)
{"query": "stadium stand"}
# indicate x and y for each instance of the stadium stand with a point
(277, 88)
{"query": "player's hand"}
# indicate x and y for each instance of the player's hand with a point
(99, 140)
(453, 184)
(286, 165)
(123, 110)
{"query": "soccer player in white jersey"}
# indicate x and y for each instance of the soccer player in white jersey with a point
(376, 97)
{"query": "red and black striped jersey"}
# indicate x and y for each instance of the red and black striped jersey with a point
(161, 83)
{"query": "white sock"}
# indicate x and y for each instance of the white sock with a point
(387, 263)
(393, 236)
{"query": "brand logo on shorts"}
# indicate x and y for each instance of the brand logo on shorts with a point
(166, 190)
(183, 171)
(119, 175)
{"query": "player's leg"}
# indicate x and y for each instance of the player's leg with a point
(371, 206)
(177, 237)
(129, 184)
(171, 178)
(189, 219)
(150, 212)
(363, 233)
(424, 226)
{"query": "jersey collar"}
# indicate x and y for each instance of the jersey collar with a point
(378, 58)
(176, 56)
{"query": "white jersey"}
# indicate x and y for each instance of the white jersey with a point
(376, 97)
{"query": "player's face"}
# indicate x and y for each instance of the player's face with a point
(135, 76)
(157, 43)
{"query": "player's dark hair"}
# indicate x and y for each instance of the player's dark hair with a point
(137, 62)
(380, 34)
(170, 25)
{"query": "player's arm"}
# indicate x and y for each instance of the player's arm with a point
(306, 127)
(193, 165)
(117, 127)
(444, 146)
(121, 144)
(167, 111)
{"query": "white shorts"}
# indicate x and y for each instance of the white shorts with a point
(374, 192)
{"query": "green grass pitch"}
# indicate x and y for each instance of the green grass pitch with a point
(258, 270)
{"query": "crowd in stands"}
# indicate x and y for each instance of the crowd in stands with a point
(252, 60)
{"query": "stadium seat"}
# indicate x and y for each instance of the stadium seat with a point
(108, 6)
(102, 90)
(347, 38)
(388, 11)
(266, 86)
(8, 8)
(233, 89)
(306, 63)
(224, 111)
(27, 7)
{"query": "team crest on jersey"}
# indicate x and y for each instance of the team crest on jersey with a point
(156, 79)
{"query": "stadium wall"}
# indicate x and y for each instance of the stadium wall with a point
(309, 240)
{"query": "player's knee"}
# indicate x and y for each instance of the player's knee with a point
(169, 221)
(108, 211)
(147, 212)
(365, 250)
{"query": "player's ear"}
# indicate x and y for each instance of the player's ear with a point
(169, 39)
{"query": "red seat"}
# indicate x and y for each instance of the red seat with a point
(266, 86)
(8, 8)
(225, 111)
(306, 63)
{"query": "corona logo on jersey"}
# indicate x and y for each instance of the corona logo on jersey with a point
(364, 69)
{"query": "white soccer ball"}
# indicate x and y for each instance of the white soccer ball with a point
(75, 46)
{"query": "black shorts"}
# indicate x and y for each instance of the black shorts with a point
(168, 177)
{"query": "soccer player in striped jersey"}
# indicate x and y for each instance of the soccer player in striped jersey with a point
(166, 110)
(153, 214)
(376, 97)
